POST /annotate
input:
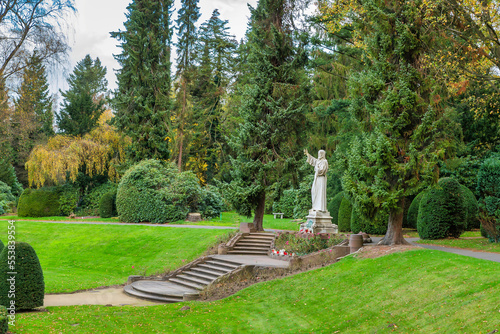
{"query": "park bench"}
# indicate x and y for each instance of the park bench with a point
(280, 214)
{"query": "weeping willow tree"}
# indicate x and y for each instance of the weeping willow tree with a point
(63, 157)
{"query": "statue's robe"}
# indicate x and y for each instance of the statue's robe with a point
(318, 190)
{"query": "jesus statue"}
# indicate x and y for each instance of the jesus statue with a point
(318, 190)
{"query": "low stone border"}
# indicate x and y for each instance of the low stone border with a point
(186, 267)
(225, 248)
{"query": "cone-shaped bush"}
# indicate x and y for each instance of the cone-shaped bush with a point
(488, 186)
(334, 207)
(413, 211)
(29, 284)
(442, 212)
(472, 208)
(344, 219)
(107, 205)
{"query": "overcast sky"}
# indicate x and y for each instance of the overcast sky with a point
(95, 19)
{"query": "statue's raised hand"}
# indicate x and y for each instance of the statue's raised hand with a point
(305, 152)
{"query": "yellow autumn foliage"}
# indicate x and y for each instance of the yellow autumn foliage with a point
(99, 152)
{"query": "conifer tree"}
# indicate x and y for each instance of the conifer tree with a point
(188, 16)
(270, 139)
(82, 104)
(399, 106)
(142, 100)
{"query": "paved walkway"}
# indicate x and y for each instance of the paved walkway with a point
(475, 254)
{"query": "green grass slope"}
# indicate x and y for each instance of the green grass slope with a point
(419, 291)
(76, 257)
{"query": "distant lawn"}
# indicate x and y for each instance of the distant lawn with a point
(233, 219)
(419, 291)
(76, 257)
(230, 219)
(412, 233)
(59, 218)
(482, 244)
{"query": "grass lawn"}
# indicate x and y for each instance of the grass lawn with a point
(59, 218)
(419, 291)
(482, 244)
(231, 219)
(76, 257)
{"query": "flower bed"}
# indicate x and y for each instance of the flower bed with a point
(304, 242)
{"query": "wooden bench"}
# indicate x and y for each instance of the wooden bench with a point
(278, 214)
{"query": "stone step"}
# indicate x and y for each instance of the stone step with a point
(243, 252)
(194, 279)
(263, 237)
(250, 248)
(186, 283)
(237, 264)
(129, 290)
(204, 276)
(253, 241)
(222, 264)
(207, 271)
(219, 269)
(265, 234)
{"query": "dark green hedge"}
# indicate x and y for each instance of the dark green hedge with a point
(29, 283)
(442, 212)
(413, 211)
(4, 320)
(375, 226)
(344, 217)
(488, 186)
(41, 202)
(152, 191)
(334, 207)
(107, 205)
(472, 208)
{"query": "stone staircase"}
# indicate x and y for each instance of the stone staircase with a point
(186, 282)
(253, 244)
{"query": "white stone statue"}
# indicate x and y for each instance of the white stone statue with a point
(318, 190)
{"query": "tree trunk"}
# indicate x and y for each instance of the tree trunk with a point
(259, 212)
(394, 235)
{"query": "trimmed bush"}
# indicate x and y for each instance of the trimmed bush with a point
(41, 202)
(68, 200)
(211, 203)
(377, 225)
(155, 192)
(413, 211)
(472, 208)
(344, 217)
(442, 212)
(4, 320)
(92, 199)
(334, 207)
(29, 283)
(107, 206)
(488, 187)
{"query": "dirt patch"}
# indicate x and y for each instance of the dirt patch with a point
(371, 252)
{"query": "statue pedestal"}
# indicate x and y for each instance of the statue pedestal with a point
(320, 222)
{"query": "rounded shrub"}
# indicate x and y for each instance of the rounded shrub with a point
(488, 187)
(413, 211)
(334, 207)
(359, 223)
(29, 284)
(4, 320)
(107, 205)
(156, 192)
(92, 199)
(41, 202)
(211, 203)
(344, 217)
(442, 212)
(472, 208)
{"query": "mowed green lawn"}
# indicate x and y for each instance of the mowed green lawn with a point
(76, 257)
(420, 291)
(230, 219)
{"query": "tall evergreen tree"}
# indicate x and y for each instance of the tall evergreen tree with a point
(142, 100)
(270, 139)
(82, 104)
(215, 59)
(399, 107)
(188, 16)
(34, 95)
